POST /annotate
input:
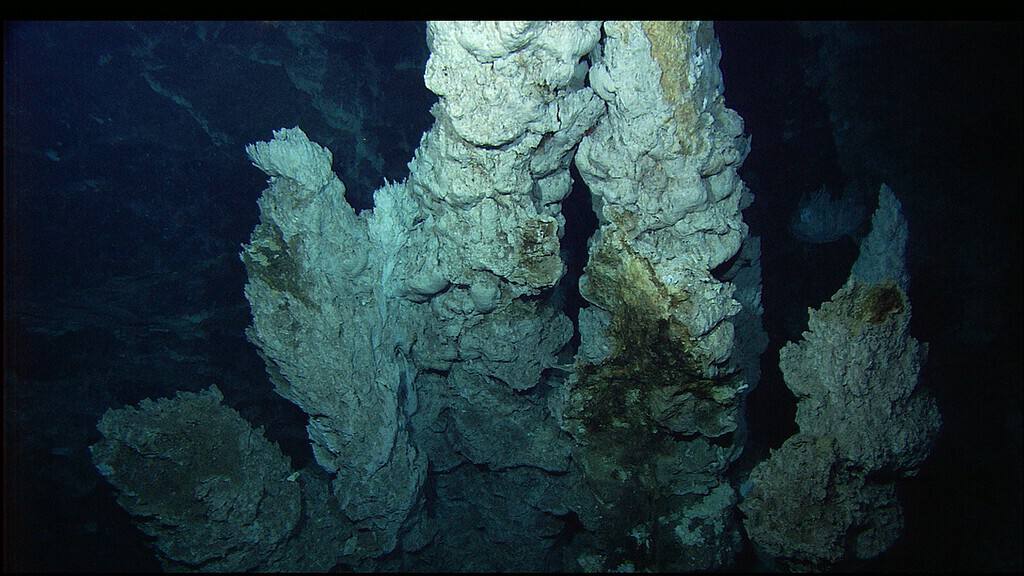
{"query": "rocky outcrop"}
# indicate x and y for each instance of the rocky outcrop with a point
(828, 495)
(424, 339)
(655, 399)
(352, 311)
(211, 491)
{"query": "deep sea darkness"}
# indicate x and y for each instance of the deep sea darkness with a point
(127, 195)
